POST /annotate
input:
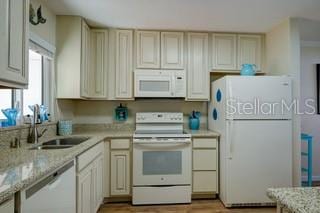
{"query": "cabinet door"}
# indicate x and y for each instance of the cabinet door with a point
(148, 49)
(7, 207)
(123, 67)
(14, 42)
(204, 181)
(99, 59)
(224, 52)
(120, 173)
(249, 50)
(198, 69)
(85, 59)
(172, 50)
(97, 172)
(84, 190)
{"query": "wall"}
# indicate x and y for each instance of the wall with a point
(46, 31)
(81, 111)
(283, 58)
(310, 56)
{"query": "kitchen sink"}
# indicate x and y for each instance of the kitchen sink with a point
(62, 143)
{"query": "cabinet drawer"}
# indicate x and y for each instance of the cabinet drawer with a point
(205, 159)
(204, 181)
(205, 143)
(120, 144)
(88, 156)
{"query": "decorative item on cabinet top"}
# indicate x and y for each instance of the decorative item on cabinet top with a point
(121, 113)
(40, 19)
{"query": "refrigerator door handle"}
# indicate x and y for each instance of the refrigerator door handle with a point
(230, 144)
(230, 120)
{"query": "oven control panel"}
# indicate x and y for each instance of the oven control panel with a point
(159, 117)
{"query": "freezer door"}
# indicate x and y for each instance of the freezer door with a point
(258, 156)
(258, 97)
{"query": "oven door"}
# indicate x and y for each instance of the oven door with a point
(154, 83)
(157, 164)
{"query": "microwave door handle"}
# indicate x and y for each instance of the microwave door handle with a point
(173, 85)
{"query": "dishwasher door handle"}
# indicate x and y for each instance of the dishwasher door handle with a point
(51, 179)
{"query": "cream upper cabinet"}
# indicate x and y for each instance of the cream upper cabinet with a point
(85, 60)
(72, 57)
(99, 64)
(123, 64)
(224, 51)
(14, 37)
(172, 50)
(249, 50)
(198, 69)
(148, 49)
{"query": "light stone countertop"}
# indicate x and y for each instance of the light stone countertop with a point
(298, 199)
(20, 168)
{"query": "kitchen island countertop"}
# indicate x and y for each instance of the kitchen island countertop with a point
(298, 199)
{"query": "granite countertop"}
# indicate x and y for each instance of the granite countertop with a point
(297, 200)
(19, 168)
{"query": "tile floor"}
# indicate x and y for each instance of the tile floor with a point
(197, 206)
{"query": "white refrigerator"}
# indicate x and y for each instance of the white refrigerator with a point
(253, 116)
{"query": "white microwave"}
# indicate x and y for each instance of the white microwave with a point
(160, 83)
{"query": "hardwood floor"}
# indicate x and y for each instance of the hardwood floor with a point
(197, 206)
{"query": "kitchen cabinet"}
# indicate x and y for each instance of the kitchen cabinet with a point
(85, 60)
(120, 168)
(90, 179)
(123, 65)
(205, 166)
(14, 36)
(249, 50)
(172, 51)
(84, 190)
(72, 57)
(7, 206)
(82, 60)
(224, 51)
(198, 69)
(99, 64)
(148, 49)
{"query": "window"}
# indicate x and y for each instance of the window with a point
(34, 93)
(5, 100)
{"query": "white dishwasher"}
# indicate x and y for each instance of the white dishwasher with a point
(53, 194)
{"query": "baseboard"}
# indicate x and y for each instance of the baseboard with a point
(314, 178)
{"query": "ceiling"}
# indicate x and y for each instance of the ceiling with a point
(211, 15)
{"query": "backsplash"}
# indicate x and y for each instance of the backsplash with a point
(21, 132)
(102, 112)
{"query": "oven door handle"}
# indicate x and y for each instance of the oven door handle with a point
(161, 145)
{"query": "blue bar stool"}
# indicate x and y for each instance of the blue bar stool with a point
(307, 138)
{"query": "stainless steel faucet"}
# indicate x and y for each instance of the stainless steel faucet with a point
(34, 135)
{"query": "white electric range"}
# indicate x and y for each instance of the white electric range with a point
(161, 159)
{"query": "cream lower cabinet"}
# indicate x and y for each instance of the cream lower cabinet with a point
(198, 77)
(120, 167)
(90, 178)
(205, 166)
(7, 206)
(14, 36)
